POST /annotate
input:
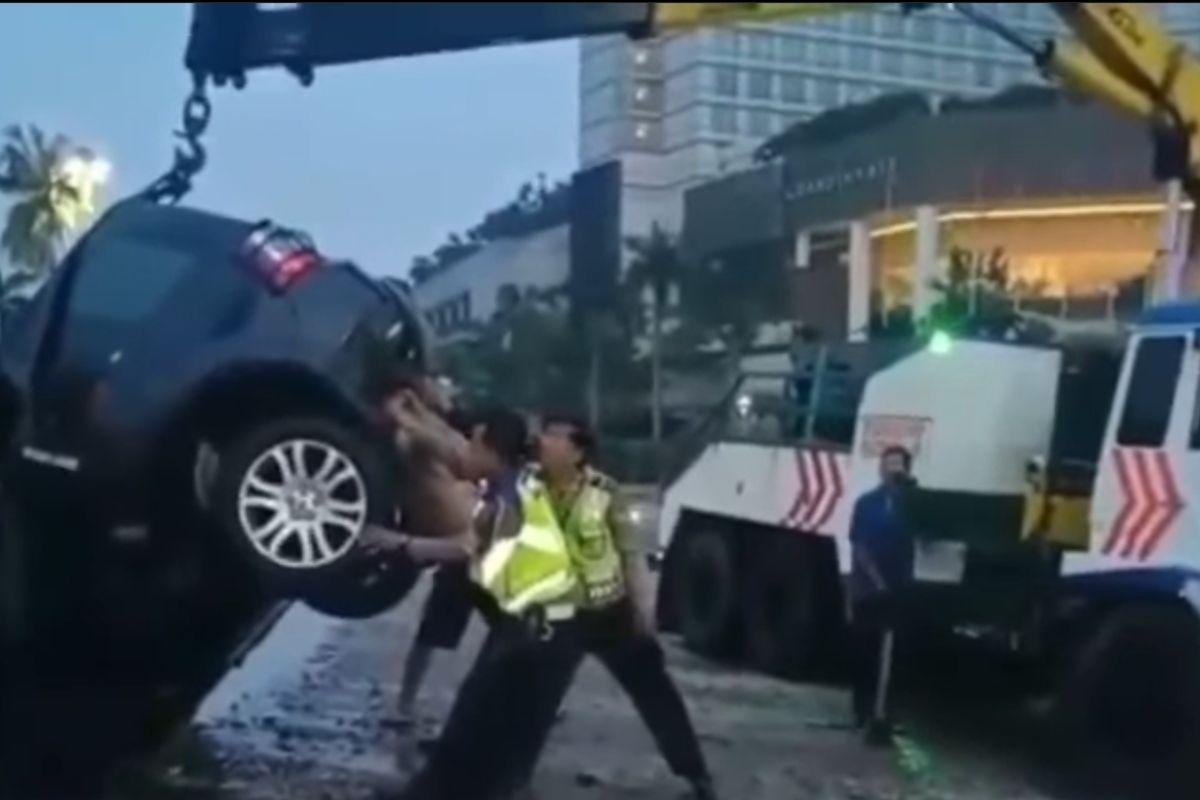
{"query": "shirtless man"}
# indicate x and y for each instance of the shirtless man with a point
(439, 485)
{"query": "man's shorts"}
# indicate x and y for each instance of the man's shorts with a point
(447, 609)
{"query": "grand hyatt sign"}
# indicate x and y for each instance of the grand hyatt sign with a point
(809, 186)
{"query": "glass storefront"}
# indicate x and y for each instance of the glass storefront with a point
(1080, 260)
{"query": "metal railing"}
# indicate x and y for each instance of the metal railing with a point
(815, 402)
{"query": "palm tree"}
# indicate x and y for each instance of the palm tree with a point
(656, 270)
(50, 197)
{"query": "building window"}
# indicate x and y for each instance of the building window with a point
(860, 58)
(758, 46)
(794, 89)
(952, 33)
(862, 24)
(460, 310)
(921, 66)
(828, 54)
(725, 43)
(646, 135)
(860, 92)
(1017, 11)
(683, 126)
(834, 22)
(725, 81)
(891, 62)
(760, 123)
(954, 70)
(984, 40)
(985, 74)
(679, 52)
(641, 94)
(827, 93)
(921, 28)
(759, 84)
(1151, 394)
(793, 48)
(600, 104)
(724, 120)
(640, 57)
(892, 25)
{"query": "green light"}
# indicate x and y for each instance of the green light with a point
(941, 343)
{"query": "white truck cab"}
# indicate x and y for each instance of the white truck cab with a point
(1057, 516)
(1145, 511)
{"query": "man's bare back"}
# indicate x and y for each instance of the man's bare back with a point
(438, 493)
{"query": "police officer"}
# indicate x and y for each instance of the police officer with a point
(614, 620)
(519, 561)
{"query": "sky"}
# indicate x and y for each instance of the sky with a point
(379, 162)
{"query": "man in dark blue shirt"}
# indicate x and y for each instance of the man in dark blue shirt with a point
(882, 554)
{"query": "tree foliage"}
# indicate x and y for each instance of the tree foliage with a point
(979, 295)
(537, 207)
(47, 202)
(726, 299)
(525, 356)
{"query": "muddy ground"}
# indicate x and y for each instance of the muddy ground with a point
(305, 719)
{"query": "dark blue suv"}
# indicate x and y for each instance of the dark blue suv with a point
(186, 431)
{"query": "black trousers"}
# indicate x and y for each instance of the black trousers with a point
(873, 620)
(480, 753)
(638, 664)
(507, 705)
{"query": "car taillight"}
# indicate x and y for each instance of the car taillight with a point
(280, 256)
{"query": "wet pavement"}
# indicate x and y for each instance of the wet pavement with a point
(307, 717)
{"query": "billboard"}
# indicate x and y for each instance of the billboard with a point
(595, 221)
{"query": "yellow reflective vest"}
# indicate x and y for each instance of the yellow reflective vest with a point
(592, 544)
(532, 569)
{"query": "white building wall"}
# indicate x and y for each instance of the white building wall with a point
(468, 291)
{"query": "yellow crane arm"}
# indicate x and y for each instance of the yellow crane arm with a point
(1121, 55)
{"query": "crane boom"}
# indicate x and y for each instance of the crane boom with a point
(1119, 54)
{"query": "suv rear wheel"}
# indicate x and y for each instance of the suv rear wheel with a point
(365, 588)
(295, 496)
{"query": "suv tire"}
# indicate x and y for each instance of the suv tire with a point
(365, 587)
(295, 495)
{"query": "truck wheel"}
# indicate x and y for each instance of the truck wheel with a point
(295, 496)
(707, 593)
(1135, 683)
(781, 610)
(367, 587)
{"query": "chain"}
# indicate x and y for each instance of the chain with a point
(190, 155)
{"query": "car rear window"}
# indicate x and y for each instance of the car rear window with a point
(126, 280)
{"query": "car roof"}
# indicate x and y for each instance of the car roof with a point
(140, 218)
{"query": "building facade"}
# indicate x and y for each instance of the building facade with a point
(680, 110)
(1057, 194)
(469, 293)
